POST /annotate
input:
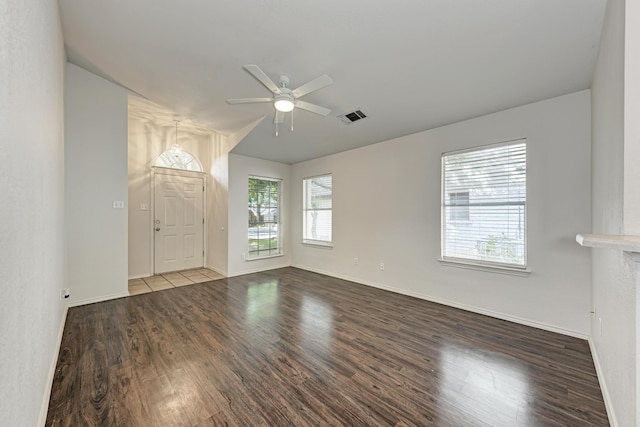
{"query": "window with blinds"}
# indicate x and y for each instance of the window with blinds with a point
(317, 210)
(483, 205)
(264, 217)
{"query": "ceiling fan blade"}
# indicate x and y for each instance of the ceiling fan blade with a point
(278, 117)
(311, 86)
(262, 78)
(313, 108)
(248, 100)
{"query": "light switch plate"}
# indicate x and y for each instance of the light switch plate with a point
(144, 207)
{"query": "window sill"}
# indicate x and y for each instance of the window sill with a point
(511, 271)
(256, 258)
(316, 243)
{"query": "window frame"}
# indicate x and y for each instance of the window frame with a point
(305, 210)
(253, 254)
(183, 161)
(473, 263)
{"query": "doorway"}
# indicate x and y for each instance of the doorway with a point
(178, 221)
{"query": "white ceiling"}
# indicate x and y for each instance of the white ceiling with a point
(409, 65)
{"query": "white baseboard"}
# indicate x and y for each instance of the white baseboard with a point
(52, 371)
(98, 299)
(603, 385)
(217, 270)
(139, 276)
(473, 309)
(258, 270)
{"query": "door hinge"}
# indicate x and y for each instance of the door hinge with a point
(203, 188)
(203, 220)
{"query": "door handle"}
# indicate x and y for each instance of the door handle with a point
(157, 228)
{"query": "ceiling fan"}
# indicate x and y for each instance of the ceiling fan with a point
(285, 99)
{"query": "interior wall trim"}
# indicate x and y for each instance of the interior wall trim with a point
(44, 408)
(608, 403)
(258, 270)
(471, 308)
(217, 270)
(99, 299)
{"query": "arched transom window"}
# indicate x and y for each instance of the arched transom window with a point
(178, 159)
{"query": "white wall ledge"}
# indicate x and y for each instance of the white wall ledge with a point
(610, 241)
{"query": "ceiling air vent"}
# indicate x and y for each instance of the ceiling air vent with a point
(354, 116)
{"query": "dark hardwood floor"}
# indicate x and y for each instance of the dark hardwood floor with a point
(290, 347)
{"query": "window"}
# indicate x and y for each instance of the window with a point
(483, 205)
(178, 160)
(264, 217)
(317, 210)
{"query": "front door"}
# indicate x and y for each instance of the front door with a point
(179, 222)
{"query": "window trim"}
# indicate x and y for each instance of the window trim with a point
(185, 153)
(256, 258)
(278, 222)
(480, 265)
(315, 242)
(321, 243)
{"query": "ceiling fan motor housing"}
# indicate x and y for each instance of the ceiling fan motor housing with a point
(284, 81)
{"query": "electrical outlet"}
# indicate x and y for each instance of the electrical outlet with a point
(118, 204)
(355, 261)
(65, 293)
(382, 266)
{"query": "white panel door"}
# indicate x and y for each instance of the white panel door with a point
(179, 223)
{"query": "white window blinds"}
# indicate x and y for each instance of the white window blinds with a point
(483, 205)
(317, 210)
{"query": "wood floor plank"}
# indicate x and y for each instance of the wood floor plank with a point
(289, 347)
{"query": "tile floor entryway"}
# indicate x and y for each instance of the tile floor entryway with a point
(172, 280)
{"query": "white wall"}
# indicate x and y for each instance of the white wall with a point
(632, 118)
(147, 140)
(386, 203)
(614, 293)
(240, 168)
(632, 157)
(32, 271)
(140, 247)
(218, 206)
(218, 257)
(96, 175)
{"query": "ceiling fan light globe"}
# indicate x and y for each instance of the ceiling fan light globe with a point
(284, 105)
